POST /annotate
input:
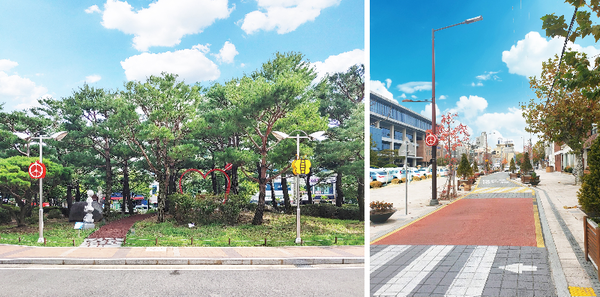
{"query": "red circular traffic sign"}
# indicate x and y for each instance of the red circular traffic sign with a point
(431, 140)
(37, 170)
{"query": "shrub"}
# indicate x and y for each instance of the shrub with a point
(395, 181)
(589, 193)
(569, 169)
(206, 209)
(376, 184)
(5, 216)
(416, 178)
(390, 166)
(380, 206)
(403, 180)
(55, 214)
(330, 211)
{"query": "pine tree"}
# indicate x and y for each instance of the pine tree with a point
(512, 167)
(589, 193)
(526, 165)
(464, 168)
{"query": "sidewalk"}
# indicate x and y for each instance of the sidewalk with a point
(558, 194)
(419, 195)
(292, 255)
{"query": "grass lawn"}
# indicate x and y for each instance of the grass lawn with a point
(57, 233)
(277, 229)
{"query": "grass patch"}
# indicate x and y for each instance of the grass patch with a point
(277, 229)
(57, 233)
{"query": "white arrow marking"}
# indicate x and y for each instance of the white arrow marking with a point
(518, 268)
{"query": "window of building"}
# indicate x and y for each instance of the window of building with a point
(385, 146)
(385, 132)
(398, 135)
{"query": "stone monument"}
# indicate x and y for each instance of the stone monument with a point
(88, 220)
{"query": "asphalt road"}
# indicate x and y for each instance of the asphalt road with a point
(214, 281)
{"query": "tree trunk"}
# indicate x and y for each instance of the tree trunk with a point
(262, 186)
(579, 167)
(126, 190)
(308, 189)
(233, 177)
(109, 180)
(69, 197)
(338, 190)
(361, 198)
(286, 194)
(215, 182)
(77, 192)
(273, 198)
(162, 196)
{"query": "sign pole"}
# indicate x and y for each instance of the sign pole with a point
(406, 186)
(298, 239)
(41, 204)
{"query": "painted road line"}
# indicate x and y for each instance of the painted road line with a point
(410, 277)
(579, 291)
(471, 278)
(539, 237)
(380, 258)
(502, 190)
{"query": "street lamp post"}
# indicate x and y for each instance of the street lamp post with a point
(434, 200)
(313, 136)
(58, 137)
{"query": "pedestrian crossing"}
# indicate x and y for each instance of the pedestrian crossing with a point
(490, 190)
(452, 270)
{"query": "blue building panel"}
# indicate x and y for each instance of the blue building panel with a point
(376, 135)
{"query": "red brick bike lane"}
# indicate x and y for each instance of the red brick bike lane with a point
(489, 221)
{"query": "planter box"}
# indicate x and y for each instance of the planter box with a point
(534, 182)
(550, 169)
(591, 241)
(513, 175)
(525, 178)
(379, 218)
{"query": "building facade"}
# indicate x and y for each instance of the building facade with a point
(391, 124)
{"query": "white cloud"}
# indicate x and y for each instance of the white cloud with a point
(427, 112)
(388, 82)
(380, 88)
(190, 64)
(443, 97)
(511, 123)
(413, 96)
(92, 78)
(284, 15)
(20, 92)
(478, 84)
(469, 107)
(242, 65)
(527, 56)
(164, 22)
(339, 63)
(487, 75)
(92, 9)
(403, 95)
(411, 87)
(227, 53)
(6, 65)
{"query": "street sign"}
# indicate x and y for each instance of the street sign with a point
(301, 166)
(431, 140)
(37, 170)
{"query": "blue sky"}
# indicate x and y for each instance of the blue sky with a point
(482, 68)
(50, 48)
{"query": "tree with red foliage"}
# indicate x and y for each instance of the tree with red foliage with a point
(451, 135)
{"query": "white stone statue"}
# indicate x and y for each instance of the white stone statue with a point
(88, 220)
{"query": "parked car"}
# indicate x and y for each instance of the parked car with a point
(382, 176)
(141, 208)
(443, 171)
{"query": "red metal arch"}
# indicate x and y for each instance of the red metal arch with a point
(204, 176)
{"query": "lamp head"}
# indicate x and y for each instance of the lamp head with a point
(279, 135)
(59, 135)
(319, 135)
(473, 20)
(22, 135)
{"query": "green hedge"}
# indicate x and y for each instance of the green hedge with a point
(206, 209)
(5, 216)
(330, 211)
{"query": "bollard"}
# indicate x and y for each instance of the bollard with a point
(265, 242)
(192, 241)
(44, 241)
(73, 242)
(19, 239)
(336, 240)
(229, 241)
(156, 241)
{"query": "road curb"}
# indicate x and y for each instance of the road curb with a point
(190, 261)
